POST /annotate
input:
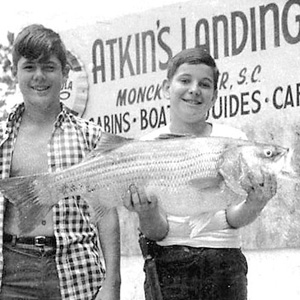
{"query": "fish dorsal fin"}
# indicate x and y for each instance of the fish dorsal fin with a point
(107, 143)
(166, 136)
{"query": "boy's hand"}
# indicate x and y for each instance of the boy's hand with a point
(136, 200)
(153, 221)
(260, 190)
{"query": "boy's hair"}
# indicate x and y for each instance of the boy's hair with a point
(36, 42)
(193, 56)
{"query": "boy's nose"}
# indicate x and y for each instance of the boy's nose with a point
(194, 89)
(38, 74)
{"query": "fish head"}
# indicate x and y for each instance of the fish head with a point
(264, 157)
(238, 161)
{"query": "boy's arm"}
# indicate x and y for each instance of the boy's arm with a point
(152, 220)
(259, 194)
(109, 234)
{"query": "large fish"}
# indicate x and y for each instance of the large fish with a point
(187, 174)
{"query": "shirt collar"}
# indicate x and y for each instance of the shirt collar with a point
(63, 119)
(14, 117)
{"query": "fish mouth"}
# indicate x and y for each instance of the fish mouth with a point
(283, 152)
(280, 153)
(289, 163)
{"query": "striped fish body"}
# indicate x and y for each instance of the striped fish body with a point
(188, 175)
(176, 171)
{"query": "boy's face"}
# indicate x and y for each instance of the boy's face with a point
(40, 81)
(191, 92)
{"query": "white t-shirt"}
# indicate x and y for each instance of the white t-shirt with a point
(216, 233)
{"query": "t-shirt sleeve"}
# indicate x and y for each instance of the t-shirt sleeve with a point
(228, 131)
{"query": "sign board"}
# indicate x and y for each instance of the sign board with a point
(256, 46)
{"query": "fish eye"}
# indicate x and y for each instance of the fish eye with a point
(268, 152)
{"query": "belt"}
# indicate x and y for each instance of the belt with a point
(38, 241)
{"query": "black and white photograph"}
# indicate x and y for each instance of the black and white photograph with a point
(150, 150)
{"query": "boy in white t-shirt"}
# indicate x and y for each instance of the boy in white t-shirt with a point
(209, 265)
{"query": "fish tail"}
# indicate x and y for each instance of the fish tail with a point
(24, 192)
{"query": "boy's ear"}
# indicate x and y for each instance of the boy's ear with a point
(66, 71)
(166, 89)
(14, 71)
(215, 97)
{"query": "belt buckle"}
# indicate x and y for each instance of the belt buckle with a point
(40, 241)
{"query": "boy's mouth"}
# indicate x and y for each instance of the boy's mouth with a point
(40, 88)
(192, 102)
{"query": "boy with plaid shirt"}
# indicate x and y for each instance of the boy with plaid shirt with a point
(60, 258)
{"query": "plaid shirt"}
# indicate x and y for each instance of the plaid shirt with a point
(78, 248)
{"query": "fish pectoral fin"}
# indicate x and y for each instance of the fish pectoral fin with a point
(99, 204)
(207, 183)
(97, 214)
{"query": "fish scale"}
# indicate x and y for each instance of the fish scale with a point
(188, 175)
(146, 165)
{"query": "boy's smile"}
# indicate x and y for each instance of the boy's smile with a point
(191, 101)
(41, 88)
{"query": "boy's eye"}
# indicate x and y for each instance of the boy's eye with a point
(205, 84)
(184, 80)
(28, 67)
(49, 68)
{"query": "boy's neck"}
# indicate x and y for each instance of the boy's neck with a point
(199, 129)
(41, 116)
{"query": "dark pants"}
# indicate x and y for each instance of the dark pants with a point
(29, 273)
(187, 273)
